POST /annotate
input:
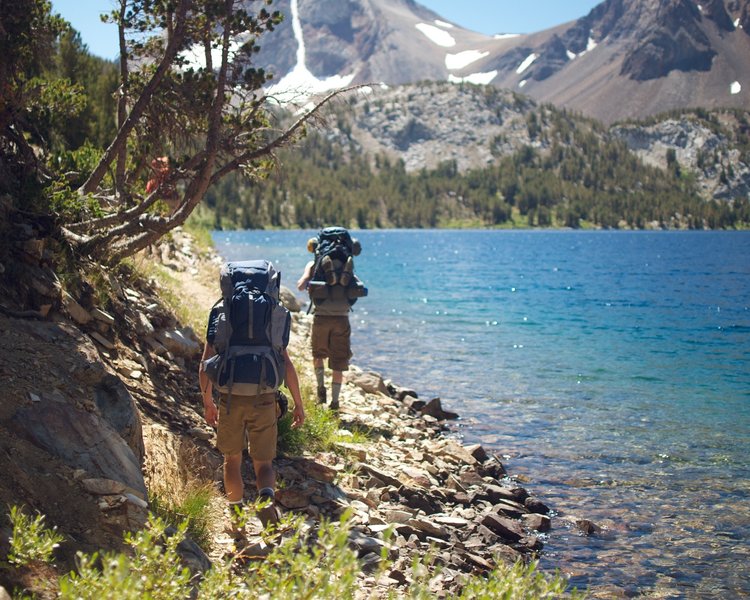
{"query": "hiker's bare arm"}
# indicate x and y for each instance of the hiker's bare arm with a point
(209, 407)
(292, 383)
(306, 275)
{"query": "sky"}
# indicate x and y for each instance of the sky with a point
(485, 16)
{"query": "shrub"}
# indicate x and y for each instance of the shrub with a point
(152, 571)
(31, 540)
(311, 563)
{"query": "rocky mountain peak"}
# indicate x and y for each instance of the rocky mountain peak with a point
(659, 54)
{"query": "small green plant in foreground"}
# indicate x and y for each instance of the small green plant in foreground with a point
(518, 581)
(193, 506)
(31, 540)
(152, 570)
(311, 563)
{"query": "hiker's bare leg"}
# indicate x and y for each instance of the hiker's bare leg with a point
(265, 476)
(338, 376)
(233, 477)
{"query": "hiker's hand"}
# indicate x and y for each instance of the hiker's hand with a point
(211, 413)
(299, 415)
(302, 284)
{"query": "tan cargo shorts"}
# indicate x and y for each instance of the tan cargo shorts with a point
(255, 415)
(331, 339)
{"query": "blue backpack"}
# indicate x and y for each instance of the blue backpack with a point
(333, 276)
(249, 330)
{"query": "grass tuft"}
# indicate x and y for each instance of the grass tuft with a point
(194, 506)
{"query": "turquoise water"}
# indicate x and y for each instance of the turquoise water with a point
(610, 369)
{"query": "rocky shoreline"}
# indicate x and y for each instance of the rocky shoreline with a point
(411, 477)
(120, 385)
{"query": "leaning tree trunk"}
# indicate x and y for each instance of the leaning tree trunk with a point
(122, 102)
(200, 183)
(118, 144)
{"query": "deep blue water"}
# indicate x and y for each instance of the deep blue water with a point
(611, 369)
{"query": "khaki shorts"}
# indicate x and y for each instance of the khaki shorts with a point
(331, 340)
(255, 415)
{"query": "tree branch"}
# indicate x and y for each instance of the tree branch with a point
(285, 137)
(142, 102)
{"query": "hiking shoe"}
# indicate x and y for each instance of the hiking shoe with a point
(269, 515)
(347, 273)
(258, 550)
(234, 530)
(235, 524)
(334, 405)
(327, 264)
(322, 394)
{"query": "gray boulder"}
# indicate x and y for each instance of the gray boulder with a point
(82, 440)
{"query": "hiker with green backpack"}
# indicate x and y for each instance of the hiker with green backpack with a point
(333, 288)
(245, 360)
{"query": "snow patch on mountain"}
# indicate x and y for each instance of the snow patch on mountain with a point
(463, 59)
(195, 56)
(299, 84)
(475, 78)
(436, 36)
(528, 61)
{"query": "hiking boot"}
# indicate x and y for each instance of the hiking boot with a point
(327, 265)
(256, 551)
(322, 394)
(234, 530)
(235, 524)
(269, 514)
(334, 405)
(347, 273)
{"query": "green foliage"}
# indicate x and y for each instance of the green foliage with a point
(68, 203)
(56, 98)
(74, 166)
(31, 540)
(308, 563)
(152, 570)
(577, 177)
(517, 582)
(300, 567)
(321, 565)
(319, 431)
(192, 506)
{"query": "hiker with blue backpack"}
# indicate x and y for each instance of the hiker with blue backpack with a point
(333, 288)
(245, 360)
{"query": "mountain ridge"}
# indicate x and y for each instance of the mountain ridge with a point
(624, 59)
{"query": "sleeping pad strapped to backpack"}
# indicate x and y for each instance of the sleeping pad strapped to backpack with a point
(333, 276)
(249, 328)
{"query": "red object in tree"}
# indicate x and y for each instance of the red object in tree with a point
(160, 166)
